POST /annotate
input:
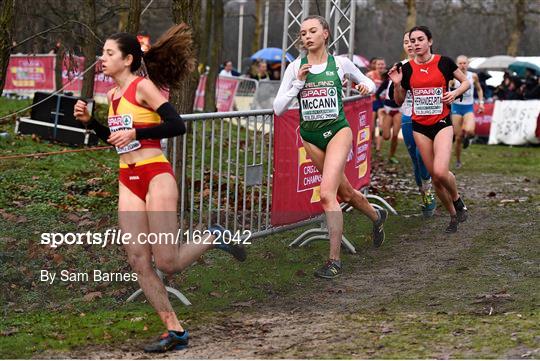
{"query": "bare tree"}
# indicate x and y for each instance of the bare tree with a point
(189, 12)
(7, 13)
(134, 17)
(256, 42)
(206, 37)
(411, 19)
(518, 27)
(89, 48)
(215, 55)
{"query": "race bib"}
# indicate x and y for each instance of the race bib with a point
(123, 122)
(319, 103)
(427, 101)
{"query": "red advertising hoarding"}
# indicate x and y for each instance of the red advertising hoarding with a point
(31, 73)
(28, 74)
(296, 181)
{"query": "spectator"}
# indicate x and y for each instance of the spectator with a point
(228, 69)
(531, 88)
(261, 71)
(514, 90)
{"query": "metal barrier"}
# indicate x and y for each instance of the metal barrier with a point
(224, 169)
(223, 166)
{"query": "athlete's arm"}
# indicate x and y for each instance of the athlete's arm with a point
(479, 91)
(450, 96)
(357, 76)
(81, 113)
(396, 75)
(288, 90)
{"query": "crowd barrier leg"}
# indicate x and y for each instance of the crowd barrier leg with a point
(170, 290)
(320, 234)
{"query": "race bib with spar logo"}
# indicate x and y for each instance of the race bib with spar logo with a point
(123, 122)
(319, 103)
(427, 101)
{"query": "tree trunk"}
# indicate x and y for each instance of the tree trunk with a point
(215, 56)
(518, 29)
(411, 19)
(206, 37)
(182, 97)
(59, 61)
(89, 48)
(7, 12)
(134, 17)
(256, 42)
(189, 12)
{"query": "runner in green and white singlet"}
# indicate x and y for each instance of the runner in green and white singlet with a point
(315, 80)
(321, 105)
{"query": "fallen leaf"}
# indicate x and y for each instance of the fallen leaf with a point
(243, 304)
(300, 273)
(99, 194)
(216, 294)
(9, 331)
(73, 217)
(57, 258)
(89, 297)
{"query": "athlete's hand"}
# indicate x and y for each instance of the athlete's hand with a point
(448, 97)
(80, 112)
(303, 72)
(481, 108)
(122, 138)
(395, 74)
(362, 89)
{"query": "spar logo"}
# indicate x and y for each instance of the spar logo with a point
(120, 121)
(126, 120)
(332, 92)
(427, 92)
(315, 92)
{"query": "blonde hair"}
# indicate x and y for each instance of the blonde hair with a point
(324, 25)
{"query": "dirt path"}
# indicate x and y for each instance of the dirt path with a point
(421, 278)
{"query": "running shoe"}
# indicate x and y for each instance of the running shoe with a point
(461, 210)
(378, 227)
(466, 142)
(429, 203)
(227, 245)
(393, 160)
(458, 165)
(452, 227)
(331, 269)
(171, 340)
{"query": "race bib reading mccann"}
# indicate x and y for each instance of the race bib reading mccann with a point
(319, 103)
(123, 122)
(427, 101)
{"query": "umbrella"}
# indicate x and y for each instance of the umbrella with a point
(499, 62)
(519, 68)
(271, 55)
(358, 60)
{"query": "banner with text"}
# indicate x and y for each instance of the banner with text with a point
(515, 122)
(296, 180)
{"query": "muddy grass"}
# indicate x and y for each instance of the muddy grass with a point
(424, 294)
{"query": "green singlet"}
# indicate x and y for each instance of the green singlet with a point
(321, 106)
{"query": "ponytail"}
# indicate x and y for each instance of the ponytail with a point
(167, 62)
(171, 58)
